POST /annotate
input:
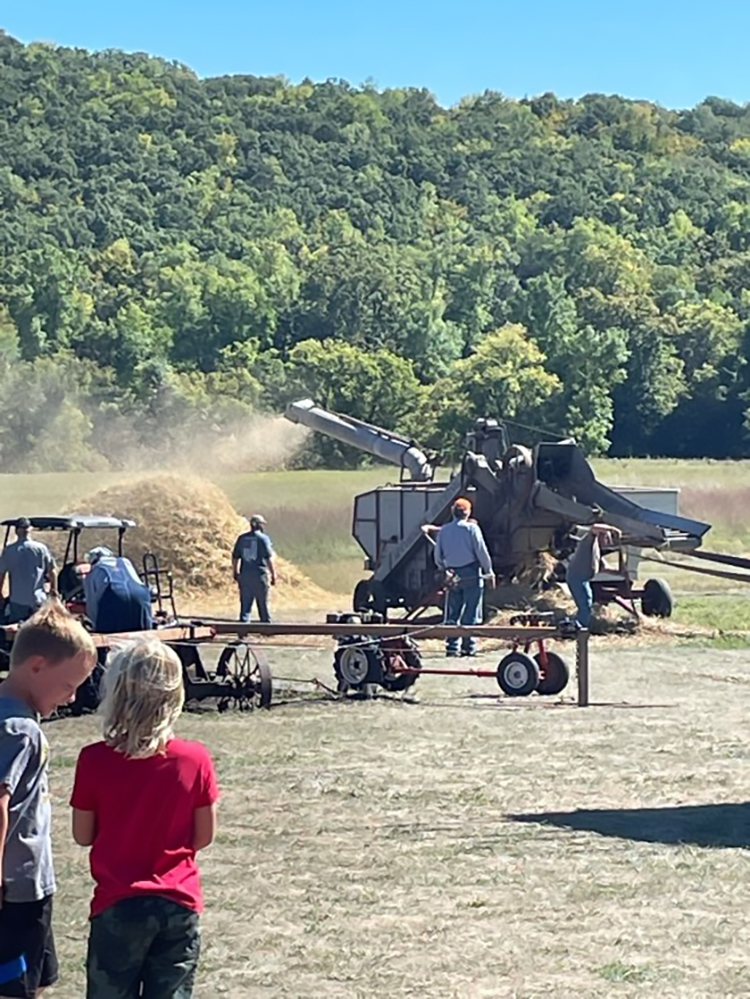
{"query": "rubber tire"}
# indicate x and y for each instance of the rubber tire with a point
(379, 598)
(657, 599)
(361, 597)
(556, 674)
(374, 672)
(522, 689)
(402, 681)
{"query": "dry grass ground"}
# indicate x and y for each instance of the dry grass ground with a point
(467, 846)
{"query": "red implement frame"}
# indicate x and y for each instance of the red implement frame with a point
(519, 636)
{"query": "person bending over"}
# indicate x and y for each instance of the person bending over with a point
(116, 599)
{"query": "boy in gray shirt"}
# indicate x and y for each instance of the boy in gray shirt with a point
(51, 656)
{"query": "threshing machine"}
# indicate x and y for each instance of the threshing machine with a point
(528, 501)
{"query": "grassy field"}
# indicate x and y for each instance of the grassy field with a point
(467, 846)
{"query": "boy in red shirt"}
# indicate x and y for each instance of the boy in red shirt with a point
(146, 803)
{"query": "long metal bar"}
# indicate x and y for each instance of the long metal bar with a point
(518, 633)
(437, 671)
(735, 560)
(739, 577)
(178, 633)
(181, 633)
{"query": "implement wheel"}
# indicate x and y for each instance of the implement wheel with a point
(518, 674)
(361, 597)
(399, 682)
(248, 677)
(356, 666)
(657, 599)
(555, 674)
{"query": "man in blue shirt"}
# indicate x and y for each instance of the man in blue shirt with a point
(460, 550)
(28, 563)
(254, 568)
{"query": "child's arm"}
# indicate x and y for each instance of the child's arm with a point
(4, 802)
(204, 826)
(84, 827)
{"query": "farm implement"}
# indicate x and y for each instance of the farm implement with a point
(375, 654)
(529, 503)
(227, 664)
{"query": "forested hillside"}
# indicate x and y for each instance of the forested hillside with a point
(179, 252)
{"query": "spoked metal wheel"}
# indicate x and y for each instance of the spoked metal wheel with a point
(247, 676)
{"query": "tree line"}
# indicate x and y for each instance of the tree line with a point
(179, 253)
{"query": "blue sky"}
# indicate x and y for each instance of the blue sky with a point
(674, 53)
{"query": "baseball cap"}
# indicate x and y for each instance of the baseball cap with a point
(258, 518)
(462, 504)
(23, 522)
(96, 553)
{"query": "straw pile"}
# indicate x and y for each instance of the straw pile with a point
(191, 526)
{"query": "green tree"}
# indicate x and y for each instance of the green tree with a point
(504, 377)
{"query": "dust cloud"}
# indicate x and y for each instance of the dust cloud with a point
(253, 444)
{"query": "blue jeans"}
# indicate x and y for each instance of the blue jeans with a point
(254, 589)
(580, 590)
(463, 605)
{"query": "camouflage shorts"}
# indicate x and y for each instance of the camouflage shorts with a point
(144, 946)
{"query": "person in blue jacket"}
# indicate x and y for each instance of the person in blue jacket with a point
(116, 599)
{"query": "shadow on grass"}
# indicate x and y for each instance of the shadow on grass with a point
(722, 826)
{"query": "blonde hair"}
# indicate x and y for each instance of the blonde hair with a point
(53, 634)
(142, 698)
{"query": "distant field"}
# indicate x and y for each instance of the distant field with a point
(310, 514)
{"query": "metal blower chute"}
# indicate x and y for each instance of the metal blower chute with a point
(527, 502)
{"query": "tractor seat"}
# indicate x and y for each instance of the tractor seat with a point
(70, 582)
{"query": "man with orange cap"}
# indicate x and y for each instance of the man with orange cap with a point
(460, 550)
